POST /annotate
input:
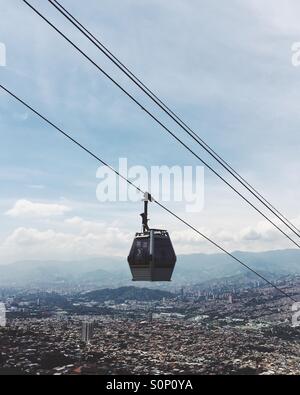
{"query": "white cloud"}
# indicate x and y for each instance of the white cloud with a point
(32, 243)
(283, 16)
(84, 226)
(79, 238)
(26, 208)
(259, 237)
(250, 234)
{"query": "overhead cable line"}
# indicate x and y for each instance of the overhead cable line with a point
(158, 121)
(91, 37)
(69, 137)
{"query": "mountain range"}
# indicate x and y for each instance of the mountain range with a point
(112, 271)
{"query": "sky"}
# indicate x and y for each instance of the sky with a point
(224, 67)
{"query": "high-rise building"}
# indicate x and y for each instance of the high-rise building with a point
(150, 316)
(2, 315)
(87, 331)
(182, 293)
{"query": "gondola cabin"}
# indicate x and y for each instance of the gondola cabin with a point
(152, 256)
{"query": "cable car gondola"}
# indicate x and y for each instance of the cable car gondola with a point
(152, 257)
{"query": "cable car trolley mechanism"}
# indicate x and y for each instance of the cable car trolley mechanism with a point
(152, 257)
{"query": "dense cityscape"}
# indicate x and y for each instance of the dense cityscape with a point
(220, 329)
